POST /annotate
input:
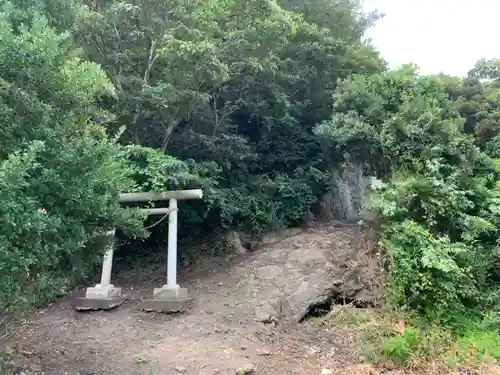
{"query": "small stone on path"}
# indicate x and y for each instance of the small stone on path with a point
(180, 369)
(265, 313)
(248, 369)
(326, 371)
(312, 352)
(263, 352)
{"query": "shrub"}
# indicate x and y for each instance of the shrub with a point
(54, 207)
(441, 225)
(439, 205)
(60, 175)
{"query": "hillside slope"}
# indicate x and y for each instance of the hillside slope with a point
(246, 312)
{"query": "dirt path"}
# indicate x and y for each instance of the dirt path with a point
(224, 329)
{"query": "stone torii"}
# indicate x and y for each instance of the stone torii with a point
(168, 298)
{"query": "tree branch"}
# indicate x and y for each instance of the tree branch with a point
(151, 59)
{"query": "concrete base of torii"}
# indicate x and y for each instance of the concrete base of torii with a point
(100, 297)
(167, 299)
(104, 296)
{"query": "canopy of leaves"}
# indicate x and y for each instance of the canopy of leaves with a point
(478, 102)
(218, 83)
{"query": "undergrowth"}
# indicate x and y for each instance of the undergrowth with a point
(398, 339)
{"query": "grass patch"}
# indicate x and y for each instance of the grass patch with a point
(392, 340)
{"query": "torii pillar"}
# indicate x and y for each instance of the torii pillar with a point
(170, 297)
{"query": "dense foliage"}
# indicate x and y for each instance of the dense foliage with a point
(433, 142)
(439, 204)
(221, 95)
(259, 103)
(60, 176)
(217, 84)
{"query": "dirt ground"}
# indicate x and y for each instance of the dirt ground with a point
(222, 332)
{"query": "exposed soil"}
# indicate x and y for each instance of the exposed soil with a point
(247, 311)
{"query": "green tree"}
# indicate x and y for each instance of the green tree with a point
(392, 119)
(60, 174)
(226, 94)
(478, 103)
(343, 19)
(487, 70)
(438, 202)
(237, 86)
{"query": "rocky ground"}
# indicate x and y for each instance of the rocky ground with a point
(249, 312)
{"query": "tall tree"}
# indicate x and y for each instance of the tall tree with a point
(345, 19)
(487, 70)
(478, 101)
(60, 175)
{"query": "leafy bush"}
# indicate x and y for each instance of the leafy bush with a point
(407, 340)
(493, 147)
(53, 218)
(440, 232)
(265, 204)
(60, 175)
(155, 171)
(421, 343)
(439, 205)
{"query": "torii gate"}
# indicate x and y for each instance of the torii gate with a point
(168, 298)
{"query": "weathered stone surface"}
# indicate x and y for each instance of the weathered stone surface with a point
(166, 306)
(308, 220)
(180, 369)
(265, 313)
(325, 208)
(272, 238)
(84, 304)
(305, 271)
(234, 240)
(264, 352)
(103, 291)
(247, 369)
(366, 297)
(170, 292)
(247, 241)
